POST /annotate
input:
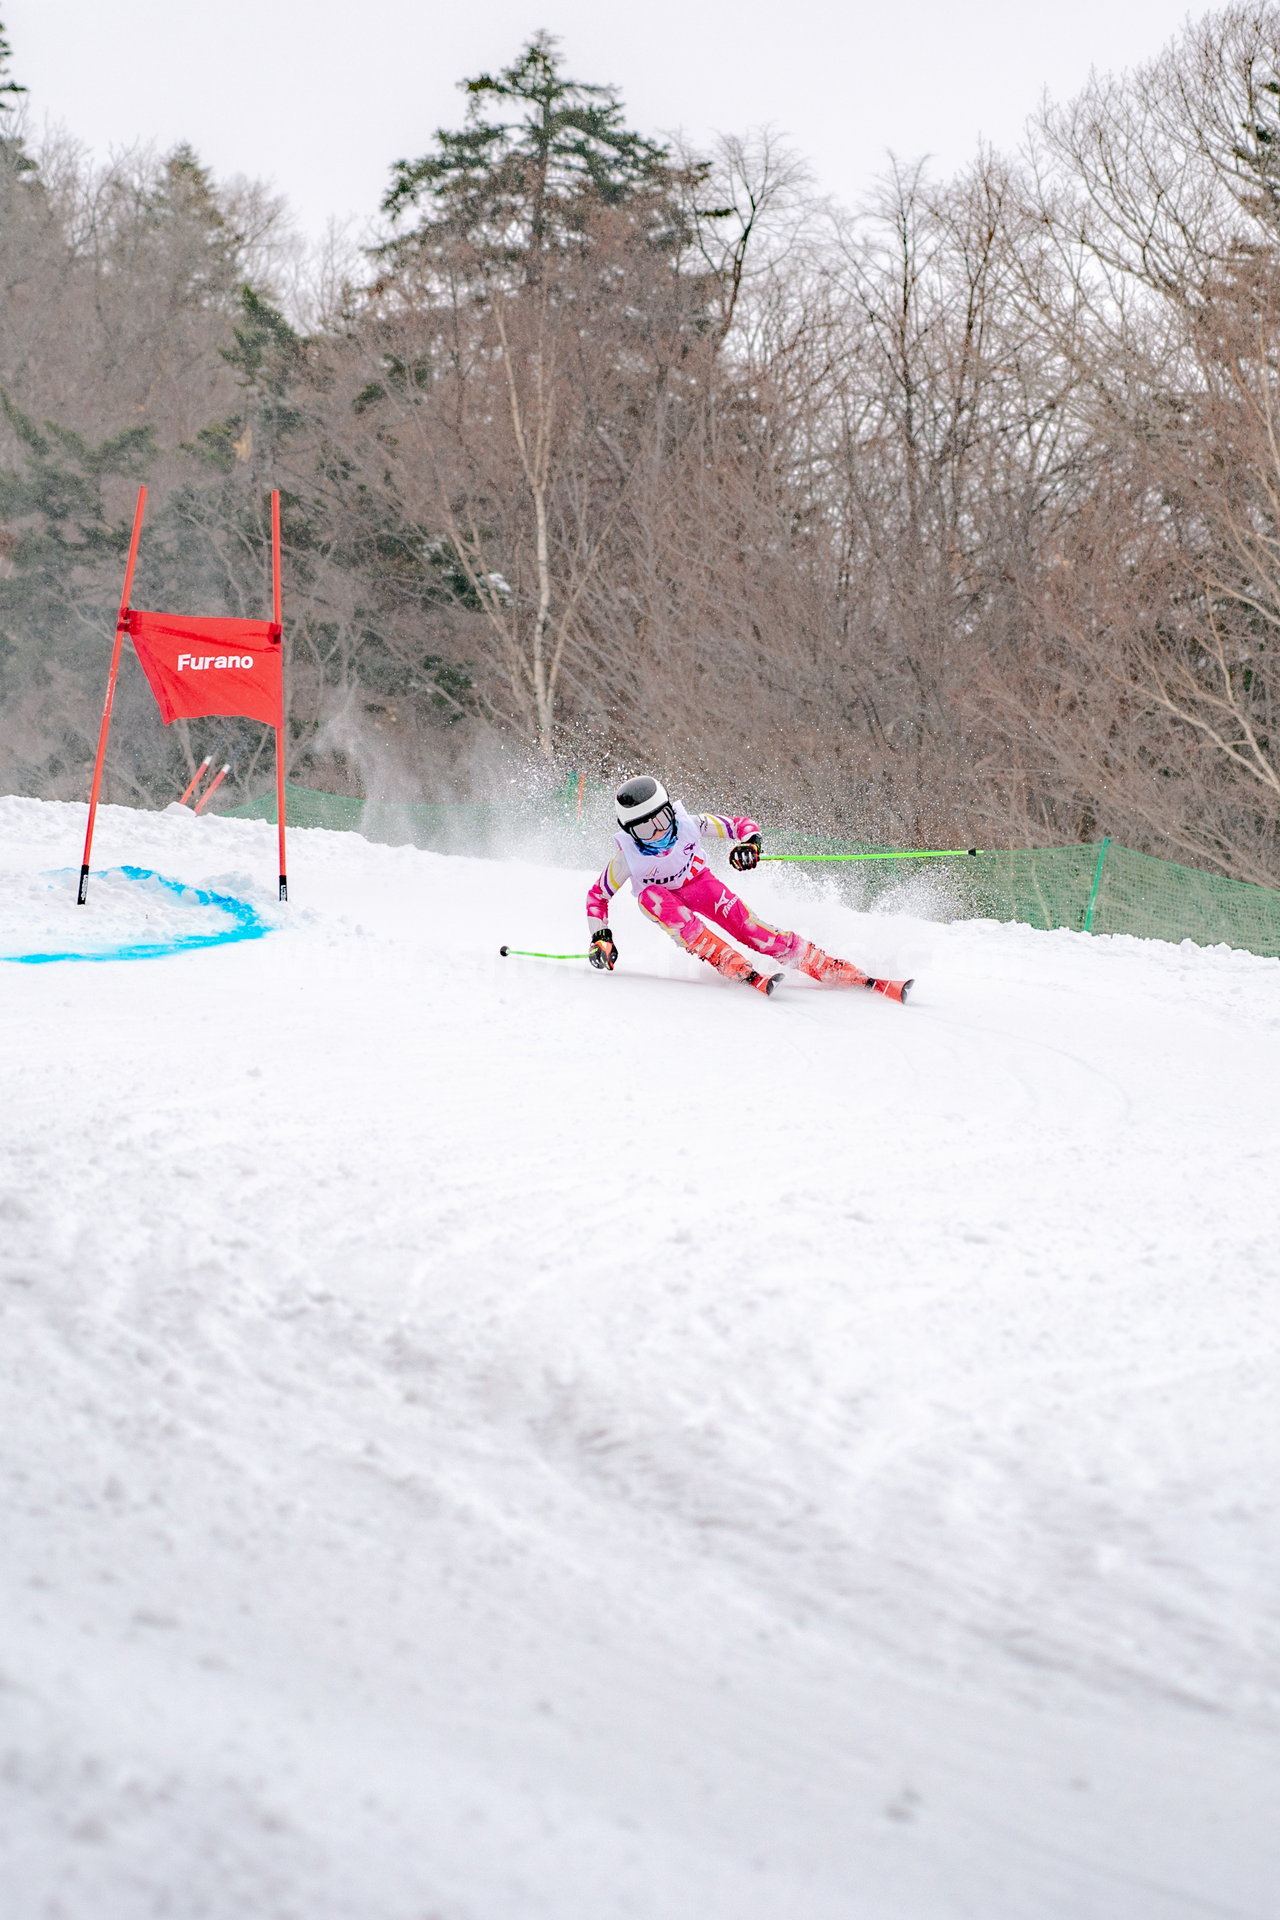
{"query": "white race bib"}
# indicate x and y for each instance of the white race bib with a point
(669, 869)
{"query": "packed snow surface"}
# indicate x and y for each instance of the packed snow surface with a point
(485, 1440)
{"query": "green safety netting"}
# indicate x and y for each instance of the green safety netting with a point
(1098, 888)
(1126, 892)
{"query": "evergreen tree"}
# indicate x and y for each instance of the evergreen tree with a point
(268, 358)
(183, 217)
(539, 153)
(211, 539)
(7, 85)
(57, 497)
(541, 320)
(12, 152)
(65, 556)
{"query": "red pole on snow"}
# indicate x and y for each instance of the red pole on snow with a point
(212, 787)
(277, 616)
(105, 728)
(194, 782)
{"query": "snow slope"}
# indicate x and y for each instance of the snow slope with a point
(484, 1440)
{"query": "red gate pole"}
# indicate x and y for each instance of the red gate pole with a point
(105, 728)
(212, 787)
(195, 780)
(277, 616)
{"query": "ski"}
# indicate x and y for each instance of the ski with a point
(763, 982)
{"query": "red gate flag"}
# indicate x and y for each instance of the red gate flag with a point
(198, 666)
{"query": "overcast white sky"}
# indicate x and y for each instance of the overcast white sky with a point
(320, 96)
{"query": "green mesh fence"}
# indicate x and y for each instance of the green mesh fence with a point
(1098, 888)
(1135, 893)
(1102, 888)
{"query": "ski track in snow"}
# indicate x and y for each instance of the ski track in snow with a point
(489, 1441)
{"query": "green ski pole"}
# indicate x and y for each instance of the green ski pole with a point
(528, 953)
(912, 853)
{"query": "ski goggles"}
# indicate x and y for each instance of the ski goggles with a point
(657, 834)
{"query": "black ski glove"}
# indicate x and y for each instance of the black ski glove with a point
(603, 953)
(746, 854)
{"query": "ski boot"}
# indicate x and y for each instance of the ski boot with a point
(829, 972)
(842, 973)
(727, 960)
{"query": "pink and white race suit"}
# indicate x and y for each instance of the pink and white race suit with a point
(675, 887)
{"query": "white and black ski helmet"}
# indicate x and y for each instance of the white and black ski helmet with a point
(640, 799)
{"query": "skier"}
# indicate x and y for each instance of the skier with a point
(659, 853)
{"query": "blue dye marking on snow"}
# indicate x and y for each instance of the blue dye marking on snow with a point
(246, 924)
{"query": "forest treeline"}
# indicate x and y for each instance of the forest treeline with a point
(958, 516)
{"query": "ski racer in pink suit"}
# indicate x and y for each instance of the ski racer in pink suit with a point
(659, 850)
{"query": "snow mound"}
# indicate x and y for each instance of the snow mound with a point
(131, 914)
